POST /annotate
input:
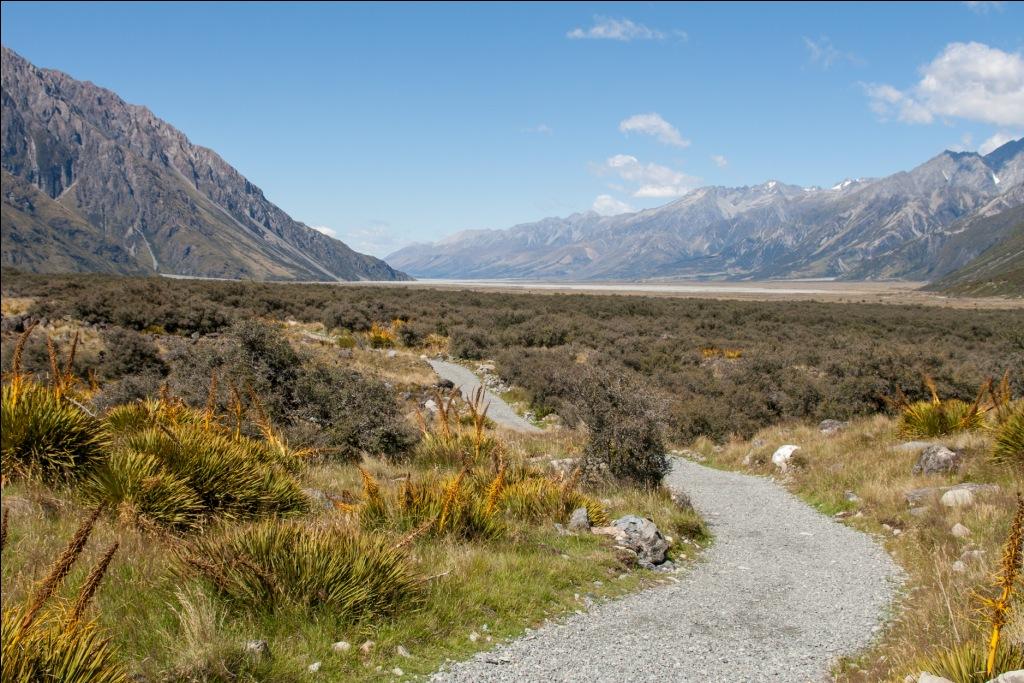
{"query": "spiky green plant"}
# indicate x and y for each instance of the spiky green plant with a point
(138, 489)
(431, 505)
(1008, 446)
(538, 498)
(926, 419)
(967, 662)
(271, 564)
(47, 436)
(44, 643)
(227, 480)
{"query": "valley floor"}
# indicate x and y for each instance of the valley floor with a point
(834, 291)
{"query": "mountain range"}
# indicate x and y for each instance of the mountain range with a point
(920, 224)
(92, 183)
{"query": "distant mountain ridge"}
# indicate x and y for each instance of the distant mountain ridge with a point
(92, 183)
(893, 227)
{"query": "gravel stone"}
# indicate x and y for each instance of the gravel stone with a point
(768, 603)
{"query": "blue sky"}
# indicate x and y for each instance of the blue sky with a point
(393, 123)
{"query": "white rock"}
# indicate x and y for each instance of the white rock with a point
(960, 531)
(342, 646)
(955, 498)
(402, 652)
(781, 457)
(1009, 677)
(313, 668)
(959, 567)
(474, 636)
(929, 678)
(398, 672)
(366, 647)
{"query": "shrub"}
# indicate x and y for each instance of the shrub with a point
(273, 564)
(47, 436)
(624, 437)
(128, 353)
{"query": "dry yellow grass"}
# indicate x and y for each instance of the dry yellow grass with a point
(938, 609)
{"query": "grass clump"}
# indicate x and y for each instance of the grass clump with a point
(968, 662)
(270, 564)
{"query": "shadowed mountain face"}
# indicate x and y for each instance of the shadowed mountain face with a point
(894, 227)
(91, 183)
(999, 267)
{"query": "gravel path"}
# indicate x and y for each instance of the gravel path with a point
(499, 411)
(780, 595)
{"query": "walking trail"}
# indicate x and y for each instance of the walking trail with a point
(783, 592)
(499, 411)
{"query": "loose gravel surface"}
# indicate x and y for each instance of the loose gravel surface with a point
(499, 411)
(781, 594)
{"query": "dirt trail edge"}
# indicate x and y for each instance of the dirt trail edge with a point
(499, 411)
(783, 592)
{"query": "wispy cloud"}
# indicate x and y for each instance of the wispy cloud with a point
(540, 128)
(624, 30)
(969, 81)
(652, 124)
(719, 160)
(822, 53)
(985, 7)
(607, 205)
(997, 140)
(650, 180)
(374, 237)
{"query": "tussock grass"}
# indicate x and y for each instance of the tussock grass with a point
(1008, 443)
(46, 436)
(272, 563)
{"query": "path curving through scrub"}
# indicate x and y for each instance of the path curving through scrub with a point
(783, 592)
(499, 411)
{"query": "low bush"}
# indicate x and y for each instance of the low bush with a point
(623, 436)
(275, 564)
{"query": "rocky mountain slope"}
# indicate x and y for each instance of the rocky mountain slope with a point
(999, 269)
(893, 227)
(92, 183)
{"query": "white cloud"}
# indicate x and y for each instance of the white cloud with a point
(966, 143)
(985, 7)
(652, 180)
(330, 232)
(376, 237)
(625, 30)
(607, 205)
(967, 80)
(652, 124)
(720, 161)
(996, 141)
(824, 54)
(540, 128)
